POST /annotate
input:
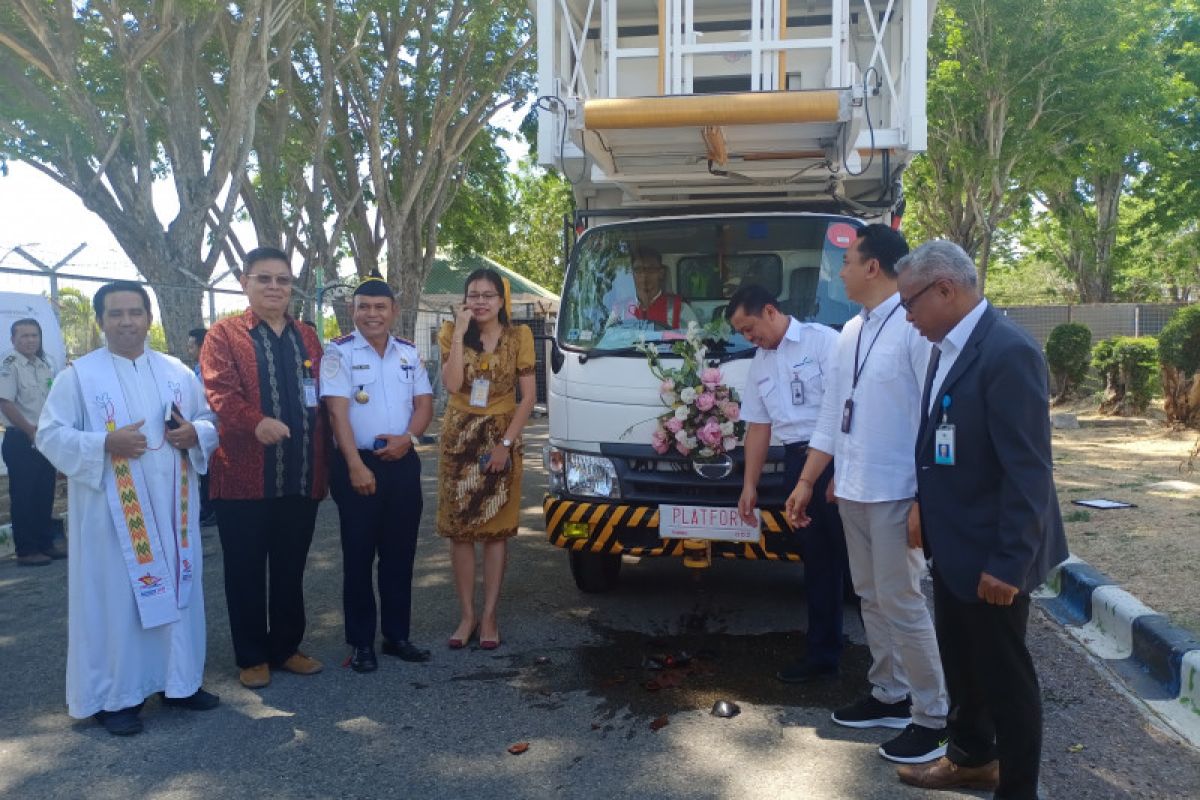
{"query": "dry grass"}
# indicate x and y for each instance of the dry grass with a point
(1153, 550)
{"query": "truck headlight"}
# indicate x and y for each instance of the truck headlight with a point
(591, 475)
(552, 460)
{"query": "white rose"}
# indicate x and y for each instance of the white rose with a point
(681, 437)
(669, 398)
(727, 429)
(707, 452)
(690, 442)
(688, 395)
(681, 412)
(729, 442)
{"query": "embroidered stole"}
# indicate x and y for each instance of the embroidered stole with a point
(160, 588)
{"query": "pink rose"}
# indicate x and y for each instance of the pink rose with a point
(674, 424)
(683, 449)
(667, 385)
(710, 377)
(731, 410)
(710, 434)
(706, 401)
(658, 440)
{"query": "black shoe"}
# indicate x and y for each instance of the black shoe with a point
(200, 701)
(404, 650)
(916, 745)
(55, 553)
(363, 659)
(807, 672)
(121, 723)
(870, 713)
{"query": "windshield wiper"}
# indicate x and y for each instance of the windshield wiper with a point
(620, 352)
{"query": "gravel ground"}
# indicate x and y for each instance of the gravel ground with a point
(569, 680)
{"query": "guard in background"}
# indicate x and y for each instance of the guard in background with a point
(379, 399)
(25, 377)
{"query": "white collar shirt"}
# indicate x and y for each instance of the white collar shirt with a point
(952, 346)
(353, 369)
(873, 461)
(785, 386)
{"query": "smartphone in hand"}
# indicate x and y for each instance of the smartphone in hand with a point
(170, 421)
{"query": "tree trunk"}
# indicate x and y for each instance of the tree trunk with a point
(1181, 396)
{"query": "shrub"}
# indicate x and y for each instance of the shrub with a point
(1128, 365)
(1179, 362)
(1067, 352)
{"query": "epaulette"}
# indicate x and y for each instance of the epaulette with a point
(343, 339)
(404, 341)
(12, 359)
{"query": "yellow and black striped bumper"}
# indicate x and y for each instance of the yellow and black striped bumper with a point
(619, 528)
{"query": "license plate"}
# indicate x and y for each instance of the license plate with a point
(706, 522)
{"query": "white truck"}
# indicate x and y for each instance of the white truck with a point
(735, 142)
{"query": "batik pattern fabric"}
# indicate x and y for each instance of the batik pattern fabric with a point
(475, 505)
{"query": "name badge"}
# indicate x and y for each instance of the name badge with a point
(310, 393)
(943, 445)
(848, 415)
(479, 392)
(797, 392)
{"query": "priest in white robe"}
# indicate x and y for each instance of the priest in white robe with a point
(131, 430)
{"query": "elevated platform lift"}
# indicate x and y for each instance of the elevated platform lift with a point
(670, 103)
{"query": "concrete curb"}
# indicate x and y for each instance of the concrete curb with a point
(1158, 661)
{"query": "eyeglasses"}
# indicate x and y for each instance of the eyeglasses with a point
(475, 297)
(908, 304)
(284, 281)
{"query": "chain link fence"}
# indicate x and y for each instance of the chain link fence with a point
(1103, 319)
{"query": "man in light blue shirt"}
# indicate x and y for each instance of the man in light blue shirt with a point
(868, 425)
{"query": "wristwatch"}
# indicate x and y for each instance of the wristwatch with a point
(506, 442)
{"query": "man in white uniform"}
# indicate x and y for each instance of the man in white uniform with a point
(135, 600)
(379, 399)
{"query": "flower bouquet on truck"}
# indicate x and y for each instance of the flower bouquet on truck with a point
(703, 416)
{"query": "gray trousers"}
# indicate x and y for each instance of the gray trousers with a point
(887, 576)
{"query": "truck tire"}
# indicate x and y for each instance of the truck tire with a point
(594, 573)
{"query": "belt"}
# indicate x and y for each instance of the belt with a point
(795, 447)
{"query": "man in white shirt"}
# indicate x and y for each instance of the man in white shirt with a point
(782, 398)
(868, 425)
(130, 429)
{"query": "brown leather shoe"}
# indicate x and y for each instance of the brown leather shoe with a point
(945, 774)
(33, 560)
(301, 664)
(255, 677)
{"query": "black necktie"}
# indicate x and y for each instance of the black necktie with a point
(930, 372)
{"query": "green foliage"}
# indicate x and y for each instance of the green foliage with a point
(1129, 365)
(1068, 349)
(533, 246)
(77, 319)
(1179, 340)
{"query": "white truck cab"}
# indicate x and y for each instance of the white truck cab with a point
(731, 143)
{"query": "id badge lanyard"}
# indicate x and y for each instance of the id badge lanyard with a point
(481, 386)
(943, 438)
(848, 408)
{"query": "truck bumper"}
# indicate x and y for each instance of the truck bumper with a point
(619, 528)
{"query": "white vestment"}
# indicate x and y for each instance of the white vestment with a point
(112, 661)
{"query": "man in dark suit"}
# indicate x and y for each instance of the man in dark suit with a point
(990, 520)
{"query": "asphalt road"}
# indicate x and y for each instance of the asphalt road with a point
(569, 680)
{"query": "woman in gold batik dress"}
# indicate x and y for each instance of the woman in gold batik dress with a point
(484, 360)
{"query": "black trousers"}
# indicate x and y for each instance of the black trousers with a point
(995, 700)
(267, 625)
(384, 524)
(31, 493)
(826, 565)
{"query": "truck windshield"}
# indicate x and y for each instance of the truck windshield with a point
(647, 280)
